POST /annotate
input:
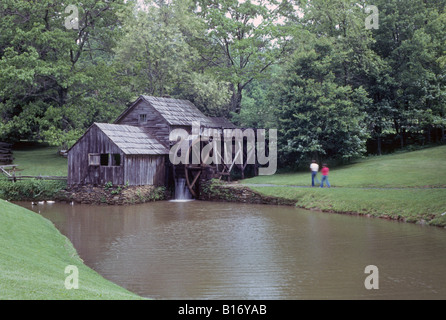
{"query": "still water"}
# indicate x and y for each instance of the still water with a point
(203, 250)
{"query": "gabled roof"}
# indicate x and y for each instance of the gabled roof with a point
(222, 122)
(176, 112)
(133, 140)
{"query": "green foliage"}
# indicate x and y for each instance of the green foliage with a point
(243, 39)
(410, 41)
(263, 63)
(215, 189)
(30, 189)
(257, 108)
(108, 185)
(158, 194)
(55, 81)
(319, 118)
(208, 93)
(153, 56)
(158, 56)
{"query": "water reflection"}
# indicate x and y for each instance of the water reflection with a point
(200, 250)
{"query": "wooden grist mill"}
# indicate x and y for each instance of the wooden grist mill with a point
(212, 153)
(136, 150)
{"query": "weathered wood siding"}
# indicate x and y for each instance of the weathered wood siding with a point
(145, 170)
(156, 124)
(136, 170)
(79, 170)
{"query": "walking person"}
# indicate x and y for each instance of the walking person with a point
(325, 170)
(314, 167)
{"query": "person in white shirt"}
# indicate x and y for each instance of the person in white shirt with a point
(314, 167)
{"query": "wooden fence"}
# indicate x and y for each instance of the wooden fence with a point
(10, 172)
(5, 153)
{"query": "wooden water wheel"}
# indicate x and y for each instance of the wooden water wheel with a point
(202, 169)
(192, 171)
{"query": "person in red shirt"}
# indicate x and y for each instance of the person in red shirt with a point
(325, 170)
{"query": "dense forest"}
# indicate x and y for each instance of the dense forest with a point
(337, 78)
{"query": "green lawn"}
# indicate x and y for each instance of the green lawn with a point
(34, 256)
(412, 169)
(407, 186)
(35, 159)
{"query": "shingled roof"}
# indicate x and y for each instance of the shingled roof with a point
(222, 122)
(133, 140)
(176, 112)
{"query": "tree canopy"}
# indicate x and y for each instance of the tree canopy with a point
(335, 88)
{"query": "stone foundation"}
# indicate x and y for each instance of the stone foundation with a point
(114, 195)
(215, 190)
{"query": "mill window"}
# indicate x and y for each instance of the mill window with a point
(143, 118)
(105, 160)
(94, 159)
(116, 160)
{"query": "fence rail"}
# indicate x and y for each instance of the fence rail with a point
(17, 178)
(6, 153)
(6, 171)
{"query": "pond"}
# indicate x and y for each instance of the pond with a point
(209, 250)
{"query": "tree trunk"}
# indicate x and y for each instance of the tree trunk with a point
(378, 131)
(429, 135)
(63, 95)
(236, 99)
(402, 138)
(379, 145)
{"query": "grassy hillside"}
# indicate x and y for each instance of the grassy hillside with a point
(407, 186)
(34, 256)
(37, 159)
(411, 169)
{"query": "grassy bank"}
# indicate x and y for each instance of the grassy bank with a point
(34, 159)
(34, 256)
(407, 186)
(404, 170)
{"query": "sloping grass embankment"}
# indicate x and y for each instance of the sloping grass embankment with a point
(34, 257)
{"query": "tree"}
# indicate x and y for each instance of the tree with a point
(243, 39)
(319, 118)
(54, 79)
(409, 41)
(153, 55)
(156, 56)
(257, 106)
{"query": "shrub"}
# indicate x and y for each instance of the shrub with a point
(30, 189)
